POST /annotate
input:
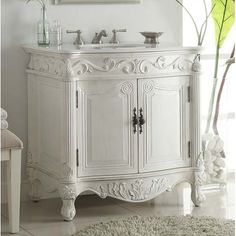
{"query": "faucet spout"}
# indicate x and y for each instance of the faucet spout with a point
(98, 37)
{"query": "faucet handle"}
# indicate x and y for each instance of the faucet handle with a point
(78, 40)
(114, 37)
(119, 30)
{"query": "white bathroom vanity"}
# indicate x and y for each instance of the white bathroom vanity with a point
(121, 121)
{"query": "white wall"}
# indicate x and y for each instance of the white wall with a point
(19, 26)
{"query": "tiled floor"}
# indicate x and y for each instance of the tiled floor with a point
(43, 218)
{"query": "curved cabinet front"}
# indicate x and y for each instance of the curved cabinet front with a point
(120, 123)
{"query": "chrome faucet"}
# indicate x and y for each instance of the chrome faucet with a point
(114, 37)
(98, 37)
(78, 40)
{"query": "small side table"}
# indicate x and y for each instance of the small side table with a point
(11, 147)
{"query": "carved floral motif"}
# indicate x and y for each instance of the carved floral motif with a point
(126, 88)
(50, 65)
(196, 66)
(200, 175)
(200, 178)
(148, 86)
(137, 190)
(67, 172)
(67, 192)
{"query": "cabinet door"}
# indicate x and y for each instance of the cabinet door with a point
(107, 144)
(163, 144)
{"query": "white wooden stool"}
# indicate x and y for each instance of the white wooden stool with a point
(11, 147)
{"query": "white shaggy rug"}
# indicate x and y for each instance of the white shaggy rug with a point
(162, 226)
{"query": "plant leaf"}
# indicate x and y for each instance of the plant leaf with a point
(223, 16)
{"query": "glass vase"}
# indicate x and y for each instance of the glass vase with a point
(43, 29)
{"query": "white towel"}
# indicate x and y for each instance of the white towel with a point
(3, 114)
(4, 124)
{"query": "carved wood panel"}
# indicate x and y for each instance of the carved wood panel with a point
(134, 190)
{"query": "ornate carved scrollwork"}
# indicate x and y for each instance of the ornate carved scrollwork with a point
(84, 66)
(69, 67)
(137, 190)
(131, 66)
(178, 63)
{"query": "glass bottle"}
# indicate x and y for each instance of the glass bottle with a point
(43, 29)
(56, 34)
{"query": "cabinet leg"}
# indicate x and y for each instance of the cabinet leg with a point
(197, 195)
(35, 190)
(68, 195)
(68, 210)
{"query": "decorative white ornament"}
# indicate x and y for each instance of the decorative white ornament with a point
(67, 171)
(126, 88)
(214, 163)
(200, 178)
(136, 190)
(67, 192)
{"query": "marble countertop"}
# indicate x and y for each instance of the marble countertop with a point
(107, 48)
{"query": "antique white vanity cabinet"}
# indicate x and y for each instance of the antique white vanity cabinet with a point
(119, 121)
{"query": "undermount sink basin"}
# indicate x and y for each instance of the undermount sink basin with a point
(114, 46)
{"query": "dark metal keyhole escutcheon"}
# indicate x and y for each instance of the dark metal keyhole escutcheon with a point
(141, 120)
(135, 120)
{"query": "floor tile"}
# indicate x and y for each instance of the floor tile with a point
(5, 228)
(178, 202)
(46, 213)
(168, 203)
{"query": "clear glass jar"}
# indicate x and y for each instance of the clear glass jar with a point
(43, 29)
(56, 34)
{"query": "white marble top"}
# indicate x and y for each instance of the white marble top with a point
(107, 48)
